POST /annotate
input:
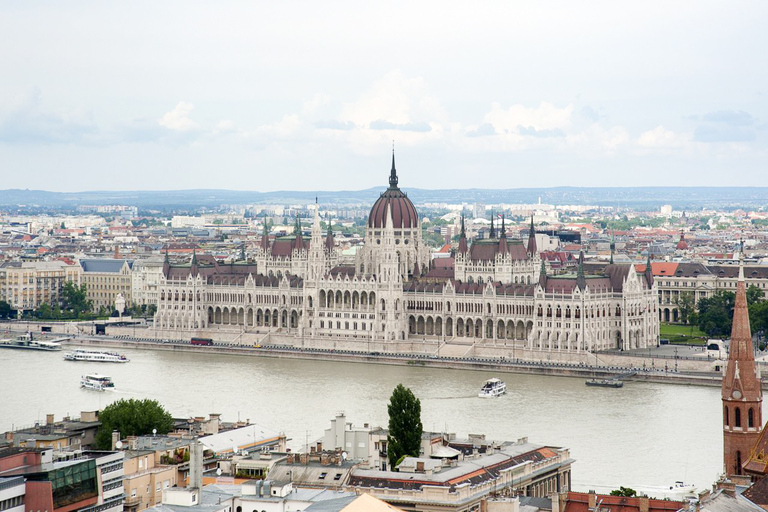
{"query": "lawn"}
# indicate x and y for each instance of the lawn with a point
(677, 333)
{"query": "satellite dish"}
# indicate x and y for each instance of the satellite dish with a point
(245, 453)
(119, 445)
(344, 455)
(218, 471)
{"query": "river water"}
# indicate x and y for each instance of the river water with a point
(643, 436)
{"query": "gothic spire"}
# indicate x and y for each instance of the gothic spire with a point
(532, 240)
(393, 172)
(492, 234)
(462, 237)
(581, 280)
(503, 233)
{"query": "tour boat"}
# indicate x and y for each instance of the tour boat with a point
(605, 383)
(491, 388)
(681, 487)
(96, 382)
(27, 341)
(95, 357)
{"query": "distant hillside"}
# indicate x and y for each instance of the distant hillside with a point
(689, 198)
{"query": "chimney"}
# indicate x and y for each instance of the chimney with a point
(592, 499)
(115, 439)
(643, 503)
(49, 419)
(196, 465)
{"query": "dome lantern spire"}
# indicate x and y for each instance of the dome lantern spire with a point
(393, 172)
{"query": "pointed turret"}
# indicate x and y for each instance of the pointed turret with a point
(265, 235)
(299, 240)
(742, 394)
(613, 246)
(462, 238)
(532, 251)
(581, 280)
(393, 172)
(543, 275)
(649, 271)
(166, 262)
(193, 270)
(492, 234)
(329, 242)
(503, 249)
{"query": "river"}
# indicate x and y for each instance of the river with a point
(643, 436)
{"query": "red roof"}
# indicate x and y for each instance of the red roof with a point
(580, 502)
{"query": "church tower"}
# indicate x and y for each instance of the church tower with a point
(741, 392)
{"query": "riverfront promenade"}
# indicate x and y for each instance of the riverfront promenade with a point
(665, 364)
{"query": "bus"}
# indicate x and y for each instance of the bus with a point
(201, 341)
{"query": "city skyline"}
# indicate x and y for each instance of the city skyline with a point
(272, 97)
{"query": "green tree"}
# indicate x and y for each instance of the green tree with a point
(754, 295)
(5, 309)
(44, 311)
(74, 299)
(715, 313)
(132, 418)
(685, 306)
(624, 491)
(405, 426)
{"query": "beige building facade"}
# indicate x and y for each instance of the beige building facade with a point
(28, 285)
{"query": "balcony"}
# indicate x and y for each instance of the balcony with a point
(132, 501)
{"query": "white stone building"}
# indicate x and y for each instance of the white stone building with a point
(498, 292)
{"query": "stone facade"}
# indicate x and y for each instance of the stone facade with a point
(498, 292)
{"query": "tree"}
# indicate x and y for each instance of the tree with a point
(74, 299)
(132, 418)
(754, 295)
(405, 426)
(5, 309)
(685, 305)
(716, 312)
(624, 491)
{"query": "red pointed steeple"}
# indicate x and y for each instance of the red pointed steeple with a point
(742, 394)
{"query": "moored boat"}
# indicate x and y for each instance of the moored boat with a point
(492, 388)
(605, 383)
(95, 357)
(96, 382)
(28, 341)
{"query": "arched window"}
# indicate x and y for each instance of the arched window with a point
(737, 421)
(726, 416)
(750, 418)
(738, 462)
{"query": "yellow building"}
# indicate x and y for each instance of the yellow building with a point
(27, 285)
(104, 279)
(145, 480)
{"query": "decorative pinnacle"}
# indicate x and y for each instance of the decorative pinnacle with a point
(393, 172)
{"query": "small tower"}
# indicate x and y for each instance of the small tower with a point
(532, 251)
(492, 234)
(742, 394)
(462, 238)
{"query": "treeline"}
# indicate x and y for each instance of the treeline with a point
(714, 315)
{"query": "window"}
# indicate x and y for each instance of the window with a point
(322, 475)
(337, 477)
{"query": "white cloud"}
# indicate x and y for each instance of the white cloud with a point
(544, 117)
(178, 118)
(395, 99)
(660, 137)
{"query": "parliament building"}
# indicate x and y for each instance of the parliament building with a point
(498, 293)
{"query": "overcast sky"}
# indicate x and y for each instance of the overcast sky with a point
(309, 95)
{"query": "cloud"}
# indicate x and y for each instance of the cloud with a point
(590, 113)
(660, 137)
(381, 124)
(533, 132)
(484, 130)
(27, 122)
(178, 118)
(332, 124)
(725, 126)
(544, 117)
(397, 99)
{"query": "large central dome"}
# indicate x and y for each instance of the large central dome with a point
(404, 214)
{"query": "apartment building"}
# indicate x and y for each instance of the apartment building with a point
(28, 285)
(105, 279)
